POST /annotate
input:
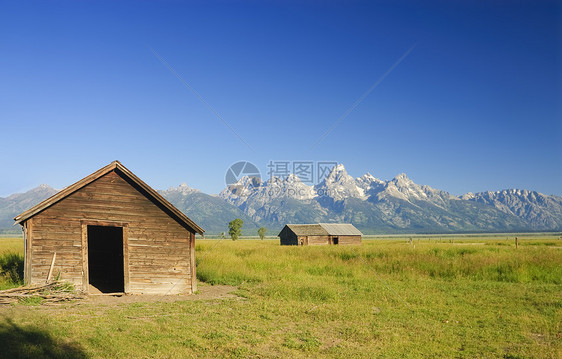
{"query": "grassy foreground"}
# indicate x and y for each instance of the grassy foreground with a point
(11, 262)
(469, 298)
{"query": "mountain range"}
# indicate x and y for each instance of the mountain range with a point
(16, 203)
(373, 205)
(395, 206)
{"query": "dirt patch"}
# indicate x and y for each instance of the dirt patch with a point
(205, 292)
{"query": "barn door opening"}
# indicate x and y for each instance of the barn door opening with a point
(336, 240)
(105, 258)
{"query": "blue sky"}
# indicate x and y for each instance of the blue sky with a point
(475, 105)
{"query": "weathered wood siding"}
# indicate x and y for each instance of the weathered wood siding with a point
(308, 235)
(345, 240)
(159, 248)
(288, 237)
(318, 240)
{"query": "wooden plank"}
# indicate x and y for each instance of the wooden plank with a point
(28, 226)
(53, 242)
(169, 281)
(133, 217)
(161, 261)
(126, 272)
(85, 278)
(46, 256)
(64, 249)
(155, 248)
(142, 214)
(51, 268)
(104, 223)
(192, 262)
(42, 233)
(154, 272)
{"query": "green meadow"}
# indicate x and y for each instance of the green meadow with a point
(454, 296)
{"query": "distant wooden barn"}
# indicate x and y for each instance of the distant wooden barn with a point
(110, 232)
(319, 234)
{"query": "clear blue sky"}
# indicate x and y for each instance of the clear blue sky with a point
(475, 105)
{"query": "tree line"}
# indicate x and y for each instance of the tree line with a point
(235, 229)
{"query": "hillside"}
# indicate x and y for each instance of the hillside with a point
(17, 203)
(209, 212)
(395, 206)
(373, 205)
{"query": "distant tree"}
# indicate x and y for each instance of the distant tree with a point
(261, 232)
(222, 235)
(235, 228)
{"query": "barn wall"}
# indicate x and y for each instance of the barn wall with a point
(318, 240)
(158, 246)
(302, 240)
(288, 237)
(344, 240)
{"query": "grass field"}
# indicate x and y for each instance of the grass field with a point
(449, 297)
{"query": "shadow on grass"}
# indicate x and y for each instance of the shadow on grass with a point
(29, 342)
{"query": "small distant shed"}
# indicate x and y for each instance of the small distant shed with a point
(110, 232)
(319, 234)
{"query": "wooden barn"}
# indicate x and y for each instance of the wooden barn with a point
(319, 234)
(110, 232)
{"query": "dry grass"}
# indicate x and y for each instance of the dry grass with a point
(381, 299)
(11, 245)
(11, 262)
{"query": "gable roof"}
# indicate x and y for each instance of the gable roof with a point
(341, 229)
(146, 190)
(324, 229)
(307, 229)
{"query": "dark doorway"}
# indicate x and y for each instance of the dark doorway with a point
(336, 240)
(105, 258)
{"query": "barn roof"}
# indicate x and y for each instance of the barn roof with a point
(308, 229)
(341, 229)
(145, 189)
(325, 229)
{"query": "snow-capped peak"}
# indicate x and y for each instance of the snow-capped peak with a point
(367, 177)
(370, 184)
(402, 178)
(291, 187)
(249, 182)
(339, 185)
(339, 168)
(252, 189)
(337, 174)
(183, 188)
(293, 178)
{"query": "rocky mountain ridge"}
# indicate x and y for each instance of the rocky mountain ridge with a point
(541, 210)
(395, 205)
(373, 205)
(17, 203)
